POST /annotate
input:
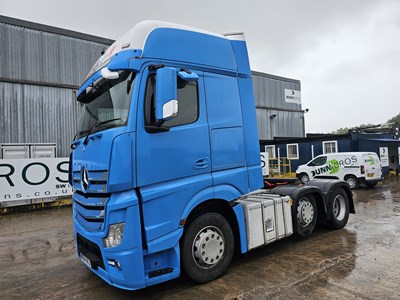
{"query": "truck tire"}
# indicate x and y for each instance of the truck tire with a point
(352, 181)
(207, 247)
(305, 213)
(339, 209)
(304, 178)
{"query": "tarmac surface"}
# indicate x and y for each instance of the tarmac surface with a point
(361, 261)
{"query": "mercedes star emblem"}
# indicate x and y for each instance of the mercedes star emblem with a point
(85, 178)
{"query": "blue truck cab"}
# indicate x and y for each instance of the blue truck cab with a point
(166, 152)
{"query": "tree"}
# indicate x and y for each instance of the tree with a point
(395, 119)
(344, 130)
(341, 130)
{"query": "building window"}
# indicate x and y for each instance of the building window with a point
(329, 147)
(270, 150)
(292, 151)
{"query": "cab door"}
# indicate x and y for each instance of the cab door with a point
(173, 159)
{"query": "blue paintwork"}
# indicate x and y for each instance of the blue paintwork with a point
(119, 206)
(153, 180)
(238, 209)
(190, 47)
(122, 164)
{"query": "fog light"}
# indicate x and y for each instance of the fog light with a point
(115, 234)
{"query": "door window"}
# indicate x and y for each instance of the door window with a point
(319, 161)
(188, 103)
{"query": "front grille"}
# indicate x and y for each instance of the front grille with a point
(89, 203)
(97, 181)
(90, 210)
(91, 251)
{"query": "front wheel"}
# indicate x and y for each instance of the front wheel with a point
(339, 209)
(207, 247)
(305, 215)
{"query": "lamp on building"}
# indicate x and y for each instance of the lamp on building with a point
(273, 116)
(303, 119)
(304, 111)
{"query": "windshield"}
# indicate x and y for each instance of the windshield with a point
(106, 104)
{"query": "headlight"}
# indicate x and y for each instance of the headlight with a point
(115, 234)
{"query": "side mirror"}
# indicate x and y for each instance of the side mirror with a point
(166, 102)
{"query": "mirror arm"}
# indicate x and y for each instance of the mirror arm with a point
(186, 70)
(156, 67)
(155, 129)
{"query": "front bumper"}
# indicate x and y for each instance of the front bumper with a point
(121, 266)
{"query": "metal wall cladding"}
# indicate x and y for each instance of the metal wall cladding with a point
(275, 116)
(39, 56)
(38, 114)
(32, 110)
(285, 124)
(269, 90)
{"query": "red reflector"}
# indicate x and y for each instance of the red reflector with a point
(362, 169)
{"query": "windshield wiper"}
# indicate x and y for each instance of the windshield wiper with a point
(97, 124)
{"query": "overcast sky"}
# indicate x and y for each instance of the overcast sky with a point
(346, 53)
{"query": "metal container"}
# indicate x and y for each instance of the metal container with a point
(279, 218)
(268, 214)
(282, 212)
(287, 212)
(254, 223)
(13, 151)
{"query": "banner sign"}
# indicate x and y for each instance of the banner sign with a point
(264, 163)
(384, 156)
(293, 96)
(33, 178)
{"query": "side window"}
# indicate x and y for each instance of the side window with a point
(319, 161)
(188, 104)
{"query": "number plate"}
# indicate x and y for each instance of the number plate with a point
(370, 175)
(85, 260)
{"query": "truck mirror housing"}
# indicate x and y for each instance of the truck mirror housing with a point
(188, 76)
(166, 102)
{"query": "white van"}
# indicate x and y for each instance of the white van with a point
(354, 167)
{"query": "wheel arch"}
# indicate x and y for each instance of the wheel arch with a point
(328, 186)
(219, 206)
(298, 191)
(358, 180)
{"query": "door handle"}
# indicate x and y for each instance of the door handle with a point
(201, 163)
